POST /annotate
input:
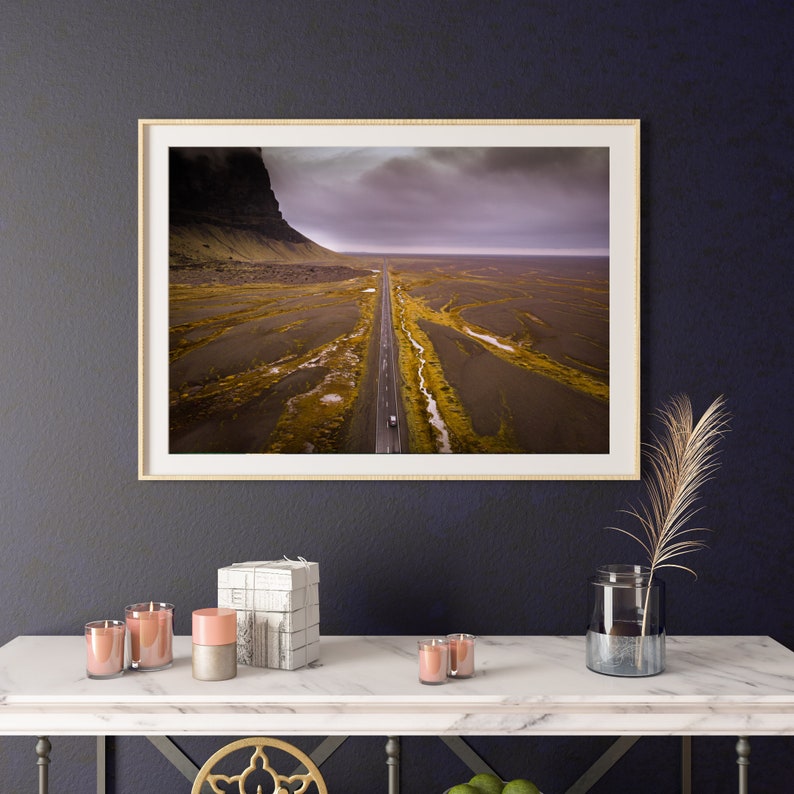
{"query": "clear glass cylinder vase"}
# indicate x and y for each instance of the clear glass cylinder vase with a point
(626, 632)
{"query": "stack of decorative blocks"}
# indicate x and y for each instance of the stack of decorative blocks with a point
(278, 611)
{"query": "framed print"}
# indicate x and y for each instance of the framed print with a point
(389, 299)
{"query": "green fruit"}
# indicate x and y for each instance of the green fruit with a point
(520, 786)
(463, 788)
(487, 784)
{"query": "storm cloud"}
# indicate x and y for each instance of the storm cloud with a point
(454, 200)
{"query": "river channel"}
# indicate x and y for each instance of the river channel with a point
(442, 434)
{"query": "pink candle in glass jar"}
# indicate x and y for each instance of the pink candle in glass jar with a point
(433, 660)
(104, 644)
(461, 655)
(151, 628)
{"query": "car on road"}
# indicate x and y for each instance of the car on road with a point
(392, 421)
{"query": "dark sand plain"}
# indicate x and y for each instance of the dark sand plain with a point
(283, 359)
(267, 365)
(536, 414)
(521, 344)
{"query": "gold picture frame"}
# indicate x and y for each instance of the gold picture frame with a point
(507, 250)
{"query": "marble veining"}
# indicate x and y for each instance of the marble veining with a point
(369, 685)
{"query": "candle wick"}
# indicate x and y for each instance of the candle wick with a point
(106, 624)
(151, 606)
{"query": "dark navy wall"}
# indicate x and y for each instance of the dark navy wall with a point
(712, 84)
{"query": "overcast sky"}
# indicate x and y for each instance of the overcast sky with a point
(454, 200)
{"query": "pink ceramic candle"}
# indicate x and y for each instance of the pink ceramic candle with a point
(461, 655)
(214, 644)
(104, 645)
(151, 628)
(433, 661)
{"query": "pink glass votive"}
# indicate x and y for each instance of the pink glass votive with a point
(461, 655)
(151, 628)
(104, 645)
(433, 660)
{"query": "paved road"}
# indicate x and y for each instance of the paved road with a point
(387, 435)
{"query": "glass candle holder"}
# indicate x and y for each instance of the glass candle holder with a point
(461, 655)
(433, 660)
(626, 634)
(104, 645)
(151, 629)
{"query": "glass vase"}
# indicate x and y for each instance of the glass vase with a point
(626, 633)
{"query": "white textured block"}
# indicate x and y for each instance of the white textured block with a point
(278, 642)
(278, 611)
(269, 575)
(293, 621)
(268, 600)
(299, 657)
(284, 648)
(252, 630)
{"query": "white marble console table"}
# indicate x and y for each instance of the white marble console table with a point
(740, 686)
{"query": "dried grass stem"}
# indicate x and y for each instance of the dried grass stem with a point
(681, 459)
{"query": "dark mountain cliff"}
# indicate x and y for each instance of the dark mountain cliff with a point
(226, 187)
(223, 213)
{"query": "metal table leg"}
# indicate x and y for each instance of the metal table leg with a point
(686, 765)
(101, 764)
(393, 763)
(743, 760)
(43, 748)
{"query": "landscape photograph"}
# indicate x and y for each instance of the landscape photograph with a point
(388, 300)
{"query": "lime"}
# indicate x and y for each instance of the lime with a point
(463, 788)
(487, 784)
(520, 786)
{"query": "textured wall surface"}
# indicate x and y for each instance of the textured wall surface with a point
(712, 84)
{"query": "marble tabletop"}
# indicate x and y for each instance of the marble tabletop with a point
(368, 685)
